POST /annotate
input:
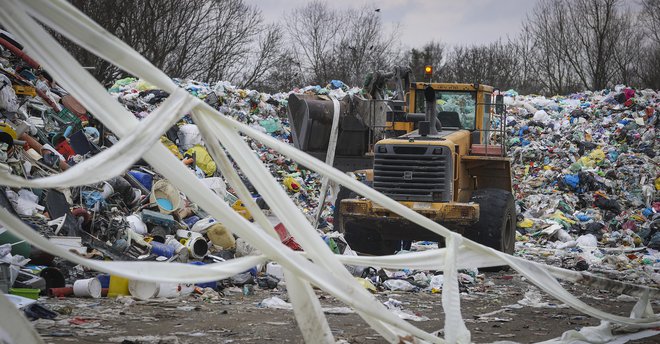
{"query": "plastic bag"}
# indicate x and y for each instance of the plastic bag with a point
(8, 100)
(202, 159)
(189, 136)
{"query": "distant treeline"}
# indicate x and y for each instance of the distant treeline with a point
(563, 46)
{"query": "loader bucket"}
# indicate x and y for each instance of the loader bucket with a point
(310, 117)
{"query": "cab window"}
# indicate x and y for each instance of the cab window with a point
(461, 102)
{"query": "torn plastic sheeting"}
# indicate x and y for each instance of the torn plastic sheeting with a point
(14, 327)
(427, 226)
(292, 218)
(202, 196)
(306, 306)
(329, 159)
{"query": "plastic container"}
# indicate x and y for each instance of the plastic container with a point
(178, 247)
(118, 286)
(60, 292)
(25, 292)
(90, 287)
(276, 270)
(19, 246)
(105, 280)
(161, 249)
(166, 196)
(144, 178)
(197, 246)
(136, 224)
(53, 277)
(143, 290)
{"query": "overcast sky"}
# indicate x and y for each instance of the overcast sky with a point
(448, 21)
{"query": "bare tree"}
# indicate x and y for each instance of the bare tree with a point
(526, 79)
(548, 24)
(594, 29)
(648, 63)
(312, 32)
(267, 52)
(205, 39)
(494, 64)
(651, 19)
(343, 45)
(361, 45)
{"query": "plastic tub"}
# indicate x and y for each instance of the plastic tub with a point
(25, 292)
(118, 286)
(166, 196)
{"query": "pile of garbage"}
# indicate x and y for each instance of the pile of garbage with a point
(585, 167)
(138, 216)
(587, 180)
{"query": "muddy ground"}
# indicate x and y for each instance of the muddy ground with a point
(235, 318)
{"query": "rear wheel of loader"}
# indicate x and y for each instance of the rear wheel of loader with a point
(497, 222)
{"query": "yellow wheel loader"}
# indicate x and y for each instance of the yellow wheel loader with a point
(437, 148)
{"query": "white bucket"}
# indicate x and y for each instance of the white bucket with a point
(168, 290)
(276, 270)
(90, 287)
(143, 290)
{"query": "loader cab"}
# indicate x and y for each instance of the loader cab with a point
(460, 106)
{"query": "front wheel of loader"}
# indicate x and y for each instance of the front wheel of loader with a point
(361, 238)
(497, 222)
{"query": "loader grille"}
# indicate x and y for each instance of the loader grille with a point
(413, 173)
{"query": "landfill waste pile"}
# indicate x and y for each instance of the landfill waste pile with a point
(586, 181)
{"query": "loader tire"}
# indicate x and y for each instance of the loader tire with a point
(359, 238)
(497, 222)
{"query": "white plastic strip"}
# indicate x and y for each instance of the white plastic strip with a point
(305, 304)
(118, 158)
(14, 327)
(329, 160)
(455, 330)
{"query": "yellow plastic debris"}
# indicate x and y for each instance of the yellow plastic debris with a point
(366, 283)
(657, 183)
(597, 154)
(291, 184)
(171, 146)
(242, 210)
(560, 216)
(202, 159)
(526, 223)
(144, 86)
(586, 162)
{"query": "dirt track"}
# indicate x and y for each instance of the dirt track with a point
(235, 318)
